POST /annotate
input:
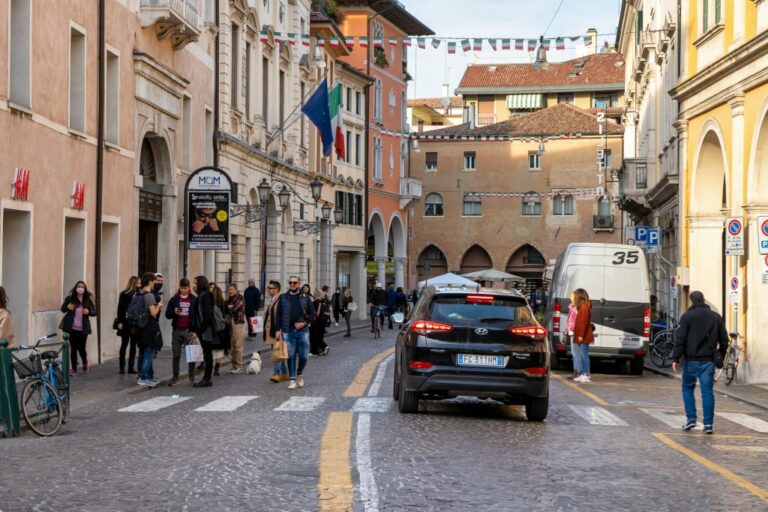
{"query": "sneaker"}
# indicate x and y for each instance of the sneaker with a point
(586, 378)
(142, 382)
(580, 378)
(236, 370)
(300, 381)
(73, 373)
(336, 324)
(174, 382)
(708, 429)
(292, 384)
(153, 382)
(326, 351)
(688, 425)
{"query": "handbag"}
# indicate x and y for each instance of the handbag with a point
(193, 353)
(352, 306)
(257, 324)
(279, 351)
(114, 324)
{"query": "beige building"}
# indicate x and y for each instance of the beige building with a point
(425, 114)
(497, 92)
(513, 205)
(158, 62)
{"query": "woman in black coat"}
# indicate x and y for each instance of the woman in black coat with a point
(317, 345)
(202, 326)
(78, 307)
(126, 336)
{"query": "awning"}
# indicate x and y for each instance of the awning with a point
(525, 101)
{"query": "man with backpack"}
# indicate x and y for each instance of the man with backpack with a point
(178, 312)
(142, 314)
(293, 319)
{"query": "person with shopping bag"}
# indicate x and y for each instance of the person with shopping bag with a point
(177, 312)
(279, 353)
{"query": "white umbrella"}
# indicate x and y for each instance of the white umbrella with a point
(447, 279)
(493, 275)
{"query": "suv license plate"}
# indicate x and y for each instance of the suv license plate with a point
(480, 360)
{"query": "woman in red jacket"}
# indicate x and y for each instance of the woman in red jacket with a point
(582, 332)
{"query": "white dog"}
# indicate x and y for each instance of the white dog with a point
(255, 365)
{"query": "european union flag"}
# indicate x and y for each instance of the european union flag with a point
(317, 110)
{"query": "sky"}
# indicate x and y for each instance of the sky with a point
(514, 19)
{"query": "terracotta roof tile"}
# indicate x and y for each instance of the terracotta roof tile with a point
(556, 120)
(434, 103)
(601, 68)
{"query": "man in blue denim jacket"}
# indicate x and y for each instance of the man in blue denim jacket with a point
(293, 318)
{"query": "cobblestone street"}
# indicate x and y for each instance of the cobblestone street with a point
(248, 444)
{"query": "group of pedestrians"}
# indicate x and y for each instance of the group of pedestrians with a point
(384, 303)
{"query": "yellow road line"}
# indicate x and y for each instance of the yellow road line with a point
(365, 374)
(580, 389)
(733, 477)
(335, 483)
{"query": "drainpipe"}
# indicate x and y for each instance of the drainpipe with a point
(216, 92)
(100, 170)
(367, 181)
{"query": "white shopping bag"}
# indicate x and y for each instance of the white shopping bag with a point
(193, 353)
(257, 324)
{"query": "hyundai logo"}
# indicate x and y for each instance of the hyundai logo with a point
(481, 331)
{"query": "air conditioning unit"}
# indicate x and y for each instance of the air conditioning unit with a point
(602, 222)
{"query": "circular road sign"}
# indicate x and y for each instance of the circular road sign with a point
(766, 260)
(630, 241)
(734, 283)
(734, 227)
(764, 227)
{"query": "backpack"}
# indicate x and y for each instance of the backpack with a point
(219, 325)
(137, 313)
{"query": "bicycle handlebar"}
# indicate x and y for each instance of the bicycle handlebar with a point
(37, 343)
(733, 335)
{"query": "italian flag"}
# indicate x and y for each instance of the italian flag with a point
(337, 123)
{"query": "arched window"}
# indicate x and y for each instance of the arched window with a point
(433, 205)
(562, 204)
(377, 99)
(473, 206)
(531, 204)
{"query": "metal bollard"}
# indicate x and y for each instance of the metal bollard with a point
(9, 402)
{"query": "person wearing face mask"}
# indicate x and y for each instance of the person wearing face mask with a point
(78, 307)
(178, 313)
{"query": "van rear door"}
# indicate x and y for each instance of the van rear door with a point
(625, 298)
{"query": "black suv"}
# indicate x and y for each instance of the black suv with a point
(472, 342)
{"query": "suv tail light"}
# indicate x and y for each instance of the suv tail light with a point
(419, 365)
(556, 320)
(647, 323)
(425, 327)
(536, 332)
(535, 371)
(479, 299)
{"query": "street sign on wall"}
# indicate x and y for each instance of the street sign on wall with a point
(734, 286)
(764, 265)
(734, 236)
(762, 234)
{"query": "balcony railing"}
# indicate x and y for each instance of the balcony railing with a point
(486, 119)
(410, 190)
(177, 20)
(602, 221)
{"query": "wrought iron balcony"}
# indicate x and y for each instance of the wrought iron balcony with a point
(177, 20)
(410, 190)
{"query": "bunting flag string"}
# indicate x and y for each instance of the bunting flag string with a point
(426, 136)
(578, 193)
(474, 44)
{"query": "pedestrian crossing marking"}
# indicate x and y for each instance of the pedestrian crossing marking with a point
(597, 415)
(671, 419)
(225, 404)
(301, 404)
(372, 404)
(155, 404)
(745, 420)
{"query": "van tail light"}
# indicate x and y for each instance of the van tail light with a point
(560, 348)
(419, 365)
(479, 299)
(556, 320)
(641, 352)
(536, 332)
(535, 371)
(425, 327)
(647, 323)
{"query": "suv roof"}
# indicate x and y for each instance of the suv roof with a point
(453, 288)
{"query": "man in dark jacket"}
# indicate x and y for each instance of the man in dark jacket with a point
(293, 317)
(179, 308)
(252, 297)
(377, 297)
(700, 335)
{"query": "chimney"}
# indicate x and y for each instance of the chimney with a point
(541, 56)
(593, 34)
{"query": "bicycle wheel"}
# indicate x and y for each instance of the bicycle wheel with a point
(661, 353)
(60, 384)
(41, 407)
(730, 372)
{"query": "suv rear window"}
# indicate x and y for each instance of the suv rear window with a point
(457, 311)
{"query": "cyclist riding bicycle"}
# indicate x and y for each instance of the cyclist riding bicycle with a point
(376, 298)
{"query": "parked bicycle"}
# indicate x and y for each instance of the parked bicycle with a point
(380, 313)
(662, 345)
(731, 361)
(45, 395)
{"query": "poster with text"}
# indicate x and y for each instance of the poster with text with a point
(208, 222)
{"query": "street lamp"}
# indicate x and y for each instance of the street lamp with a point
(264, 189)
(284, 197)
(338, 215)
(317, 188)
(326, 210)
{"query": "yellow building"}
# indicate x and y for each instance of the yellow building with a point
(723, 131)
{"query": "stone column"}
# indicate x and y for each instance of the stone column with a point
(357, 282)
(400, 272)
(381, 267)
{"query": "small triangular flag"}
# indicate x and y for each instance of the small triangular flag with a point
(519, 44)
(422, 42)
(560, 43)
(465, 45)
(478, 46)
(451, 47)
(435, 43)
(492, 42)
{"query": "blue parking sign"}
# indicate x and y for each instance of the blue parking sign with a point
(654, 237)
(641, 234)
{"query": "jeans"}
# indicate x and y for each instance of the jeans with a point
(704, 371)
(178, 341)
(146, 371)
(581, 357)
(576, 360)
(280, 368)
(298, 346)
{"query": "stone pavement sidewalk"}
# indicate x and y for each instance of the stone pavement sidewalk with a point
(104, 381)
(753, 394)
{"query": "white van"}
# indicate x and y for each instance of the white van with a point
(616, 278)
